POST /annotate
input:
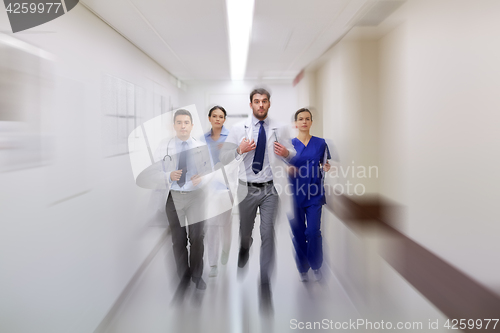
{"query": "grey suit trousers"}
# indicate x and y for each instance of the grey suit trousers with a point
(267, 200)
(178, 208)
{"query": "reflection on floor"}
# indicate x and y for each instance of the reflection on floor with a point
(231, 303)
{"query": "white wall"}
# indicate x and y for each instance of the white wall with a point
(346, 95)
(450, 52)
(306, 97)
(234, 96)
(75, 230)
(424, 86)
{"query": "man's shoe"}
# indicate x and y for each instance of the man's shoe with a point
(213, 271)
(200, 284)
(266, 300)
(317, 274)
(181, 289)
(243, 257)
(304, 277)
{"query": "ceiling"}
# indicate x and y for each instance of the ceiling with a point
(189, 38)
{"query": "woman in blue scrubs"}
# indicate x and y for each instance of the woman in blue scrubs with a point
(306, 177)
(220, 224)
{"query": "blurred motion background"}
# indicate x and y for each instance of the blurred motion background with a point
(408, 87)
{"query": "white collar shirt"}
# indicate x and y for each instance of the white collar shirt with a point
(191, 165)
(246, 172)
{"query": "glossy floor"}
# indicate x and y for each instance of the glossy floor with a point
(231, 301)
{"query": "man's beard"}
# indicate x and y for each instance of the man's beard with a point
(264, 116)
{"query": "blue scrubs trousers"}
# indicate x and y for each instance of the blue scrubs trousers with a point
(307, 238)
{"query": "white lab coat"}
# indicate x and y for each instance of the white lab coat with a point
(278, 164)
(166, 151)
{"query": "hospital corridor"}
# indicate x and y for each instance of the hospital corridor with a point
(249, 166)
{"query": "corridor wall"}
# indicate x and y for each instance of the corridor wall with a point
(416, 96)
(74, 227)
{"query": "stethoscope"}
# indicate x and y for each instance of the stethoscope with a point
(168, 145)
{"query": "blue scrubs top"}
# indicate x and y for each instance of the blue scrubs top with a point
(307, 184)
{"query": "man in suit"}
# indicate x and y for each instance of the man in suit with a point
(262, 145)
(185, 162)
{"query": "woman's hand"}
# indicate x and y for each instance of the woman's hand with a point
(292, 171)
(327, 166)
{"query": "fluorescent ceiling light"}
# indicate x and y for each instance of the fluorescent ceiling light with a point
(239, 18)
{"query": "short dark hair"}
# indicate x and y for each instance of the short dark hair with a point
(303, 110)
(219, 108)
(260, 91)
(182, 112)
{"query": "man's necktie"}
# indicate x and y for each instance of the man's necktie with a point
(183, 164)
(258, 159)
